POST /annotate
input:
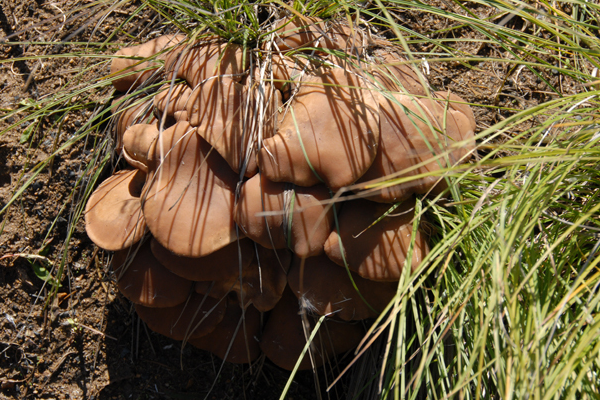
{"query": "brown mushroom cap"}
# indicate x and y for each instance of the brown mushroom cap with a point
(287, 72)
(216, 107)
(219, 265)
(125, 66)
(219, 108)
(206, 58)
(458, 104)
(180, 116)
(262, 281)
(301, 221)
(113, 218)
(235, 339)
(330, 133)
(136, 142)
(391, 74)
(143, 280)
(326, 289)
(406, 140)
(284, 338)
(138, 113)
(189, 198)
(168, 102)
(312, 32)
(379, 252)
(196, 317)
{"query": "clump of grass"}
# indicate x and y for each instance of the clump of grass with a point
(506, 304)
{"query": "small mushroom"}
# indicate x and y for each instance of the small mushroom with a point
(326, 289)
(329, 134)
(406, 140)
(194, 318)
(113, 217)
(299, 220)
(136, 142)
(284, 336)
(235, 339)
(376, 249)
(219, 265)
(143, 70)
(189, 197)
(143, 280)
(206, 58)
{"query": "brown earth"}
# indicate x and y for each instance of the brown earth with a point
(87, 342)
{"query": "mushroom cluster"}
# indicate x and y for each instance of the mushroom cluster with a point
(223, 227)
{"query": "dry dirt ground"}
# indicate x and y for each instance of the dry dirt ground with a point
(87, 342)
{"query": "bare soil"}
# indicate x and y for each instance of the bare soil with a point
(88, 342)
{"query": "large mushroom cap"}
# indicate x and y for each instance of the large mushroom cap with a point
(407, 139)
(206, 58)
(127, 66)
(326, 289)
(377, 251)
(143, 280)
(284, 336)
(330, 133)
(113, 217)
(235, 339)
(299, 221)
(219, 265)
(188, 201)
(196, 317)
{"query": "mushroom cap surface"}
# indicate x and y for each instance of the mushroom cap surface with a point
(168, 102)
(131, 114)
(125, 66)
(379, 252)
(189, 197)
(216, 107)
(390, 73)
(328, 290)
(407, 140)
(206, 58)
(235, 339)
(284, 337)
(301, 222)
(113, 215)
(288, 72)
(261, 284)
(219, 265)
(312, 32)
(196, 317)
(330, 133)
(136, 142)
(143, 280)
